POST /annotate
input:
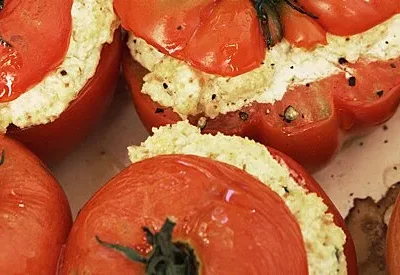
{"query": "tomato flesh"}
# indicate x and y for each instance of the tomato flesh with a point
(35, 37)
(393, 241)
(225, 214)
(35, 217)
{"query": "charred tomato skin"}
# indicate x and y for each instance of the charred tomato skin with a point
(393, 241)
(54, 140)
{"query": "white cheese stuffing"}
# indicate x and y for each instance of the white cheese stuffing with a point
(93, 25)
(192, 92)
(324, 240)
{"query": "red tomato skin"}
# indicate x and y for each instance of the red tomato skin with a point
(393, 241)
(204, 33)
(225, 38)
(107, 198)
(234, 54)
(105, 215)
(347, 117)
(34, 213)
(29, 26)
(53, 141)
(301, 30)
(348, 17)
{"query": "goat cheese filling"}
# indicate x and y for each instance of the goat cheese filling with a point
(324, 240)
(174, 83)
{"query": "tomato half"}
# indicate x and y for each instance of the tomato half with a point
(53, 141)
(191, 30)
(27, 28)
(35, 217)
(223, 213)
(229, 37)
(393, 241)
(327, 111)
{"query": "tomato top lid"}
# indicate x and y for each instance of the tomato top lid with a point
(181, 212)
(34, 39)
(229, 37)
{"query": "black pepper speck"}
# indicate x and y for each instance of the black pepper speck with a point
(352, 81)
(379, 93)
(385, 127)
(243, 116)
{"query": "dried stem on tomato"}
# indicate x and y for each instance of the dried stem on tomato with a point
(268, 11)
(166, 257)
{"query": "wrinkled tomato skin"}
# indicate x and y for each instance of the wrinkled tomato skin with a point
(313, 143)
(53, 141)
(81, 241)
(35, 216)
(393, 241)
(348, 17)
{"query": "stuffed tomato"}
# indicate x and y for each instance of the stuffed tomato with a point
(285, 73)
(35, 217)
(393, 241)
(59, 65)
(195, 203)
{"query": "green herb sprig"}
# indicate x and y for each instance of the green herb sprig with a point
(166, 257)
(268, 12)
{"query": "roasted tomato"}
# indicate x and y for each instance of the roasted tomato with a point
(229, 38)
(212, 206)
(309, 124)
(27, 28)
(26, 59)
(226, 37)
(35, 217)
(393, 241)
